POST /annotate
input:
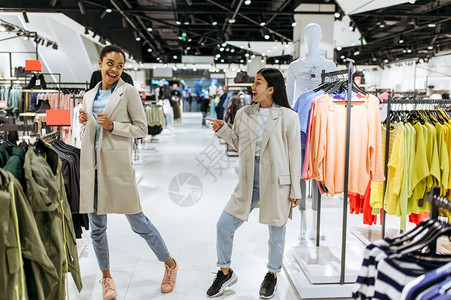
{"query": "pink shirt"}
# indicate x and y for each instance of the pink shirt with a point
(328, 141)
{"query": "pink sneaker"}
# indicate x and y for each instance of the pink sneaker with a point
(108, 289)
(170, 276)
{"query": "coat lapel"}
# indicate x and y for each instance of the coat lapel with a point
(89, 100)
(269, 126)
(115, 98)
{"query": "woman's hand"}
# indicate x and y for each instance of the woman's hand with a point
(294, 202)
(215, 124)
(83, 116)
(103, 120)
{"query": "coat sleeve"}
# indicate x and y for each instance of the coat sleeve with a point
(231, 135)
(294, 153)
(138, 126)
(82, 127)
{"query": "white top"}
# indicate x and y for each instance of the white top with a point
(263, 115)
(304, 74)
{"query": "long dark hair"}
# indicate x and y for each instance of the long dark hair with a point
(275, 79)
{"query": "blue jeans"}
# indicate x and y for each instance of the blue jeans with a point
(139, 223)
(204, 122)
(228, 224)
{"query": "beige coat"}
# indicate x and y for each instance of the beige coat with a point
(280, 163)
(117, 191)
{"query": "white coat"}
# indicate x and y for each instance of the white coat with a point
(280, 163)
(117, 190)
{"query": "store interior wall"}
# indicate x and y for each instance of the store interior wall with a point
(410, 75)
(76, 57)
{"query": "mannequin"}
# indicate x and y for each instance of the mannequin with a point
(213, 89)
(304, 74)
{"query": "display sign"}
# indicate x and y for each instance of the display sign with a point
(57, 117)
(33, 65)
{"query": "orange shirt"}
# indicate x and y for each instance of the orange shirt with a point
(328, 142)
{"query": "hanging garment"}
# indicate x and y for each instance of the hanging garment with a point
(46, 194)
(20, 239)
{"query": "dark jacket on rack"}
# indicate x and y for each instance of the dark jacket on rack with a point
(17, 221)
(47, 196)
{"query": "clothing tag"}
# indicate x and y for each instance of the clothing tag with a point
(312, 73)
(38, 82)
(420, 202)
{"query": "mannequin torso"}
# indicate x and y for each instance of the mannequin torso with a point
(305, 73)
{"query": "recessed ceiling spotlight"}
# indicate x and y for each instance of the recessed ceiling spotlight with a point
(247, 2)
(339, 48)
(266, 36)
(214, 23)
(432, 25)
(231, 21)
(262, 24)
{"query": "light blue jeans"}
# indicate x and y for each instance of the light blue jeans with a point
(139, 223)
(228, 224)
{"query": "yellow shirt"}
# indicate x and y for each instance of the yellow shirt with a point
(395, 173)
(421, 170)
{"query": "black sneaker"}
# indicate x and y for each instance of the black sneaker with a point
(221, 282)
(268, 287)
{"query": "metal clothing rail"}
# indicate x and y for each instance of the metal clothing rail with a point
(346, 175)
(391, 101)
(437, 203)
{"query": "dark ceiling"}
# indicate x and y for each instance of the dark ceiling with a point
(186, 27)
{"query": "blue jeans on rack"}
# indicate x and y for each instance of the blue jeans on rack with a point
(228, 224)
(139, 223)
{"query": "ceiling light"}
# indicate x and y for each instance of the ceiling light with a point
(227, 49)
(263, 54)
(342, 56)
(109, 10)
(430, 47)
(149, 50)
(432, 25)
(266, 36)
(409, 50)
(178, 22)
(339, 48)
(412, 1)
(175, 57)
(276, 61)
(247, 2)
(149, 29)
(253, 56)
(241, 61)
(294, 24)
(214, 23)
(401, 41)
(218, 55)
(165, 65)
(404, 51)
(186, 23)
(222, 60)
(2, 28)
(25, 37)
(194, 69)
(224, 44)
(137, 37)
(221, 49)
(337, 15)
(357, 52)
(174, 68)
(231, 21)
(262, 60)
(233, 50)
(382, 25)
(385, 60)
(247, 54)
(262, 24)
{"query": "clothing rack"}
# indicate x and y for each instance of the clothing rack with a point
(390, 102)
(50, 136)
(325, 75)
(437, 203)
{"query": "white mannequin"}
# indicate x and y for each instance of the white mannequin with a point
(213, 89)
(304, 74)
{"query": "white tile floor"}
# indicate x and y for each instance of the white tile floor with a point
(189, 231)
